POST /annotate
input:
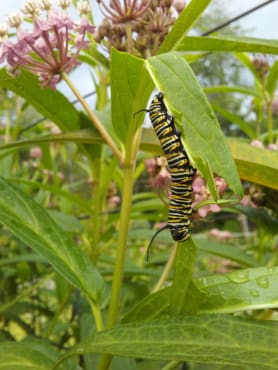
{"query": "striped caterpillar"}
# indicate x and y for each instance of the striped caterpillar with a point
(181, 170)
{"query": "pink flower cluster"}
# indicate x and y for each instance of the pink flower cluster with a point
(201, 193)
(259, 144)
(160, 177)
(52, 47)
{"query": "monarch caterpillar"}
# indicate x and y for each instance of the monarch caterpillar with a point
(181, 170)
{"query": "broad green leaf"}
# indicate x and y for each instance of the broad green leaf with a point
(130, 89)
(182, 25)
(51, 104)
(231, 43)
(211, 339)
(242, 290)
(271, 79)
(149, 308)
(202, 134)
(31, 224)
(233, 118)
(66, 222)
(27, 356)
(249, 289)
(183, 269)
(255, 164)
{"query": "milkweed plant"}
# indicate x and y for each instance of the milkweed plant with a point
(85, 188)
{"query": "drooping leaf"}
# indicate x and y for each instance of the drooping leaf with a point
(51, 104)
(254, 164)
(202, 134)
(31, 224)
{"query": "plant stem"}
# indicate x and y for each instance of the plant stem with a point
(129, 38)
(166, 270)
(128, 171)
(269, 122)
(171, 365)
(97, 123)
(97, 315)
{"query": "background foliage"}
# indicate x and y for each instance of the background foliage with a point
(76, 290)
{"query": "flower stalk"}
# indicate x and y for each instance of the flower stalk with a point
(97, 123)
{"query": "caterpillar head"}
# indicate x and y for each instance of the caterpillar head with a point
(179, 232)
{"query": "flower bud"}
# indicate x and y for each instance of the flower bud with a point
(3, 32)
(83, 8)
(31, 9)
(14, 20)
(64, 4)
(45, 5)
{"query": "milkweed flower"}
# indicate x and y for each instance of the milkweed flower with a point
(136, 26)
(52, 47)
(201, 193)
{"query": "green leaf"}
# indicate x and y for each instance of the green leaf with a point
(212, 339)
(224, 250)
(183, 269)
(203, 136)
(249, 289)
(89, 136)
(247, 61)
(27, 356)
(130, 89)
(255, 164)
(31, 224)
(220, 89)
(53, 189)
(233, 118)
(206, 171)
(233, 44)
(271, 79)
(241, 290)
(51, 104)
(185, 21)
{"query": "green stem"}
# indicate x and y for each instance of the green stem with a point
(97, 315)
(166, 270)
(269, 122)
(97, 123)
(113, 311)
(171, 365)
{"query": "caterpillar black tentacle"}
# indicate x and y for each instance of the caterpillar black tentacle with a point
(181, 170)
